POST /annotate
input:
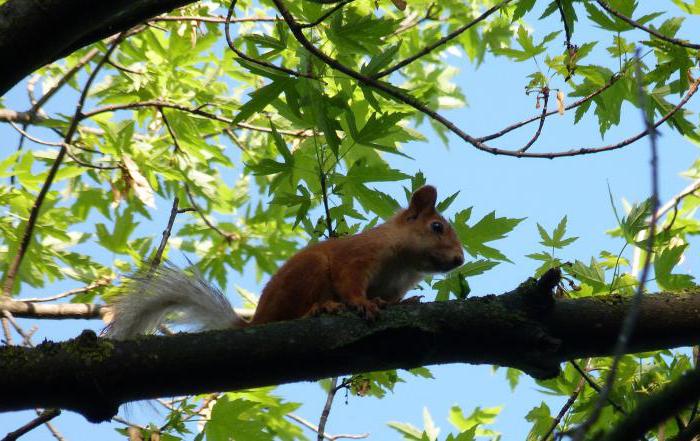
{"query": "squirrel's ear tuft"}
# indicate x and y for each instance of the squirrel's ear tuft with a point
(423, 200)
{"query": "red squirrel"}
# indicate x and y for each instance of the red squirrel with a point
(363, 272)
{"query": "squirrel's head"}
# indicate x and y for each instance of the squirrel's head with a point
(429, 240)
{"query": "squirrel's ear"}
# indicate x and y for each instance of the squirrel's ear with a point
(423, 200)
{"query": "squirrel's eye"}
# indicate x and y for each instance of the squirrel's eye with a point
(437, 227)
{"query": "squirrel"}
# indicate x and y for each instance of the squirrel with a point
(363, 272)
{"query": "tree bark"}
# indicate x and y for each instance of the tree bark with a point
(526, 329)
(36, 32)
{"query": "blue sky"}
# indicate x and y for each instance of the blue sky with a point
(543, 191)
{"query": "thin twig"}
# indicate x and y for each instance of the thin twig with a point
(565, 408)
(675, 200)
(214, 19)
(638, 25)
(324, 195)
(327, 408)
(327, 14)
(42, 416)
(79, 161)
(573, 105)
(327, 436)
(123, 68)
(127, 423)
(428, 49)
(195, 111)
(570, 48)
(166, 235)
(228, 236)
(54, 432)
(14, 265)
(45, 417)
(241, 54)
(410, 20)
(545, 99)
(102, 282)
(630, 321)
(70, 73)
(672, 203)
(595, 386)
(23, 132)
(6, 330)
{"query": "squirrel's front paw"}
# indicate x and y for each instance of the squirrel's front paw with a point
(411, 300)
(368, 309)
(329, 307)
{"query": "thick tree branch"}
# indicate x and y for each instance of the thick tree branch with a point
(526, 329)
(53, 29)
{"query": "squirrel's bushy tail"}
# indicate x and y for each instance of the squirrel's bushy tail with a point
(150, 295)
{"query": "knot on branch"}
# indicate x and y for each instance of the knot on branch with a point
(537, 295)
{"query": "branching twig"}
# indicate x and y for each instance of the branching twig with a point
(630, 321)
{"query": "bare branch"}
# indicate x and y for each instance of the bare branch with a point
(43, 418)
(54, 310)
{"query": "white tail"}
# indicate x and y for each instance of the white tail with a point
(150, 295)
